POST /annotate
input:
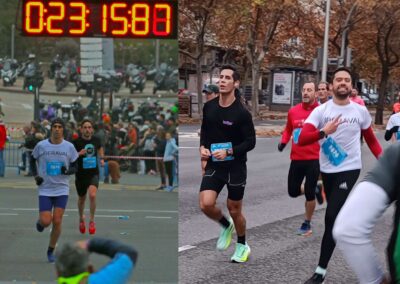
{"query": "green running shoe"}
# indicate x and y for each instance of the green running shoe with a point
(225, 237)
(241, 254)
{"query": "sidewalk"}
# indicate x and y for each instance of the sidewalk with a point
(49, 88)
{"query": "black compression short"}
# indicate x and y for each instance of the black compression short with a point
(234, 177)
(82, 183)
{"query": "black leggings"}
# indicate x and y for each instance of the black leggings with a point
(169, 171)
(337, 187)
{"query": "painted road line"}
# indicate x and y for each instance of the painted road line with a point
(157, 217)
(181, 147)
(27, 106)
(9, 214)
(183, 248)
(102, 210)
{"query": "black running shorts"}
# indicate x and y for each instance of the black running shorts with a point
(234, 177)
(82, 183)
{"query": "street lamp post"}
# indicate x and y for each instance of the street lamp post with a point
(326, 41)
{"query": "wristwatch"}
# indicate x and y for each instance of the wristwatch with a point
(322, 134)
(229, 152)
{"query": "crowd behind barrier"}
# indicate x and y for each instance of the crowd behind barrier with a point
(136, 147)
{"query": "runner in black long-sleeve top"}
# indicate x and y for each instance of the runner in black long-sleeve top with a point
(227, 134)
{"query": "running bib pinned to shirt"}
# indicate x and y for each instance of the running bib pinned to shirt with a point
(54, 168)
(89, 162)
(333, 152)
(296, 135)
(221, 146)
(398, 136)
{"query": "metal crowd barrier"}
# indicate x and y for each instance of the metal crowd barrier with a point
(13, 154)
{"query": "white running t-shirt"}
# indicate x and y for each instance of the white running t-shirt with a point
(354, 118)
(394, 120)
(50, 158)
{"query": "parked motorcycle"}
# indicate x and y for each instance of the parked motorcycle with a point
(33, 75)
(166, 79)
(137, 79)
(61, 77)
(9, 72)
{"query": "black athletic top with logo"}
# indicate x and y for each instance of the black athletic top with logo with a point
(386, 175)
(228, 124)
(88, 163)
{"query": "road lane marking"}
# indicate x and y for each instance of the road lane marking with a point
(103, 210)
(27, 106)
(9, 214)
(157, 217)
(187, 247)
(181, 147)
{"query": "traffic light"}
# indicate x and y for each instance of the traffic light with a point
(34, 82)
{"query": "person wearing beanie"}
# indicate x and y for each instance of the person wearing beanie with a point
(56, 159)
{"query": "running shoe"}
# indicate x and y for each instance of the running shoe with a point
(241, 254)
(39, 226)
(50, 256)
(319, 193)
(92, 228)
(305, 229)
(315, 279)
(82, 227)
(225, 237)
(169, 188)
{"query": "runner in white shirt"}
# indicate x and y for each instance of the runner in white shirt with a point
(338, 124)
(392, 128)
(56, 160)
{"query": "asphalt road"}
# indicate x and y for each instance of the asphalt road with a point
(151, 228)
(278, 254)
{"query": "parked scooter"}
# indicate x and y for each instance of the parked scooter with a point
(137, 78)
(9, 72)
(33, 75)
(62, 77)
(166, 79)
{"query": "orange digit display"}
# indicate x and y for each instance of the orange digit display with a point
(140, 23)
(81, 18)
(53, 18)
(163, 21)
(118, 19)
(30, 8)
(104, 19)
(100, 18)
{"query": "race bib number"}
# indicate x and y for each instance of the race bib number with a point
(89, 162)
(296, 135)
(398, 136)
(53, 168)
(333, 152)
(221, 146)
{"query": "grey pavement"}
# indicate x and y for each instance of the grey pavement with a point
(278, 254)
(151, 227)
(128, 181)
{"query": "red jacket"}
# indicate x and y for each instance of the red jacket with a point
(296, 117)
(3, 136)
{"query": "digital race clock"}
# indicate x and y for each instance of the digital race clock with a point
(101, 18)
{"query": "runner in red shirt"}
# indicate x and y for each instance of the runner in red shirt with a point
(305, 159)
